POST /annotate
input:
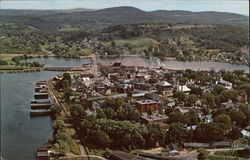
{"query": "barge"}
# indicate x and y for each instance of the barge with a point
(40, 101)
(41, 96)
(40, 105)
(40, 112)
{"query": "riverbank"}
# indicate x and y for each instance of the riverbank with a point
(16, 69)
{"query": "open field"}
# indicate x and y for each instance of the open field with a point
(137, 43)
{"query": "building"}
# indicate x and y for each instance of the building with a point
(172, 149)
(146, 105)
(184, 89)
(164, 87)
(154, 118)
(225, 84)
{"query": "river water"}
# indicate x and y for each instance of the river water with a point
(152, 62)
(21, 135)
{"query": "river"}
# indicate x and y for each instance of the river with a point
(21, 135)
(152, 62)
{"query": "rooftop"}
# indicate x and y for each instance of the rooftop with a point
(148, 101)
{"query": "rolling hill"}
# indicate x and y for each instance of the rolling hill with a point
(52, 19)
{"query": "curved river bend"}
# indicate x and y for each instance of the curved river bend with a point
(21, 135)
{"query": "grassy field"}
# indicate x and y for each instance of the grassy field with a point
(137, 44)
(8, 58)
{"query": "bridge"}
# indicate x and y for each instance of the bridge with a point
(92, 69)
(57, 68)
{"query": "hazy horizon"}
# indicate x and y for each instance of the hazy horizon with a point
(233, 6)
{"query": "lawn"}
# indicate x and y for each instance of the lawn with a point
(137, 43)
(8, 58)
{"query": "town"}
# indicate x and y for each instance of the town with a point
(153, 113)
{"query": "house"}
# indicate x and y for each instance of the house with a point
(245, 133)
(125, 88)
(164, 87)
(191, 128)
(184, 89)
(172, 149)
(142, 76)
(146, 105)
(225, 84)
(152, 96)
(136, 94)
(154, 118)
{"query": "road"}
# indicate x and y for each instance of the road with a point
(82, 156)
(47, 51)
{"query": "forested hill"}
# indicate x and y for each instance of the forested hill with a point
(118, 15)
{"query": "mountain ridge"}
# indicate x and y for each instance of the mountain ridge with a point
(117, 15)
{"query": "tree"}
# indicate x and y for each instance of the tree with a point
(224, 121)
(209, 99)
(133, 115)
(177, 117)
(109, 112)
(100, 114)
(67, 93)
(202, 130)
(191, 99)
(239, 73)
(66, 76)
(183, 80)
(181, 96)
(238, 117)
(77, 112)
(235, 133)
(100, 139)
(201, 156)
(55, 110)
(192, 118)
(218, 89)
(176, 133)
(197, 91)
(3, 62)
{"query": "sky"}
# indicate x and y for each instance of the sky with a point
(234, 6)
